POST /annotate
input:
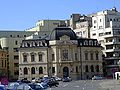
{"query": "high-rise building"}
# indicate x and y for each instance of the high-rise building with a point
(106, 29)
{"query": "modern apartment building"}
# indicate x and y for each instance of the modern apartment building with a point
(62, 55)
(106, 29)
(81, 25)
(10, 41)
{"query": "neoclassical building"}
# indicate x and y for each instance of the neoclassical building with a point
(62, 55)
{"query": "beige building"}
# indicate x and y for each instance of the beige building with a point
(62, 55)
(3, 63)
(10, 41)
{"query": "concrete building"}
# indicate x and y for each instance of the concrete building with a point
(48, 25)
(82, 26)
(10, 41)
(106, 29)
(62, 55)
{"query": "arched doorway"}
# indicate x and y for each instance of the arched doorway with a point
(65, 72)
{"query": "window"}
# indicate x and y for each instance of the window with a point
(32, 58)
(90, 42)
(94, 21)
(18, 36)
(86, 68)
(53, 57)
(24, 58)
(76, 69)
(100, 20)
(10, 35)
(94, 34)
(16, 72)
(16, 42)
(32, 70)
(2, 63)
(86, 55)
(65, 54)
(97, 57)
(40, 57)
(91, 56)
(25, 71)
(53, 69)
(85, 42)
(16, 57)
(40, 70)
(24, 35)
(76, 56)
(15, 49)
(16, 65)
(94, 26)
(92, 68)
(97, 68)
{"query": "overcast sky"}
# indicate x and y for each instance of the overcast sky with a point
(23, 14)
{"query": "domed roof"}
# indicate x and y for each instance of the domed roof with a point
(61, 31)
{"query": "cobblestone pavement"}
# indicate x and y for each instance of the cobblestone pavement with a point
(110, 85)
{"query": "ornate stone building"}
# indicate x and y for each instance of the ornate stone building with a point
(62, 55)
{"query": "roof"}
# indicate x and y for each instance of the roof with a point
(61, 31)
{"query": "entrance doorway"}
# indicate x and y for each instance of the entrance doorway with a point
(65, 72)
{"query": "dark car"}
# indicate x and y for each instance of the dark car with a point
(52, 82)
(67, 79)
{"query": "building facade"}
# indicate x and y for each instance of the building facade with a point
(3, 63)
(10, 42)
(106, 29)
(62, 55)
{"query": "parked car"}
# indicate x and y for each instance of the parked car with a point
(2, 87)
(45, 85)
(67, 79)
(36, 86)
(97, 78)
(53, 82)
(57, 78)
(24, 86)
(12, 86)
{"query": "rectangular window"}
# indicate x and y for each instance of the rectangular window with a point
(53, 57)
(75, 56)
(97, 57)
(65, 54)
(2, 63)
(24, 58)
(91, 56)
(16, 57)
(86, 56)
(32, 58)
(16, 65)
(40, 57)
(53, 69)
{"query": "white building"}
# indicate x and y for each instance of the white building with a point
(106, 29)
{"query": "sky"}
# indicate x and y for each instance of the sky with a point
(23, 14)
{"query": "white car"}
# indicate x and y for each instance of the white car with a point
(97, 78)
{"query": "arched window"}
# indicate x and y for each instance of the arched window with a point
(86, 68)
(32, 70)
(40, 70)
(92, 68)
(97, 68)
(85, 42)
(90, 42)
(25, 71)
